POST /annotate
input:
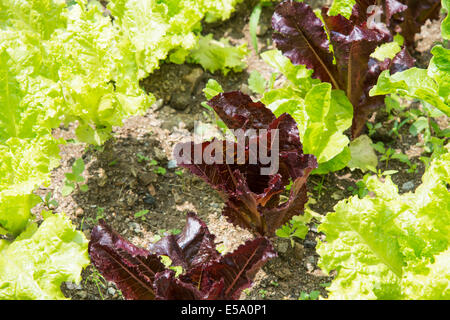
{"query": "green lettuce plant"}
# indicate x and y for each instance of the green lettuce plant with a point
(391, 246)
(215, 55)
(167, 29)
(36, 264)
(431, 85)
(58, 64)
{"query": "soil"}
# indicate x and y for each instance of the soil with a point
(122, 181)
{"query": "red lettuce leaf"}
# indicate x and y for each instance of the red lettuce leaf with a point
(401, 62)
(233, 272)
(140, 275)
(132, 269)
(392, 8)
(238, 111)
(301, 37)
(194, 246)
(353, 41)
(252, 198)
(168, 287)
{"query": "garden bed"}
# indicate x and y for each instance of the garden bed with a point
(122, 181)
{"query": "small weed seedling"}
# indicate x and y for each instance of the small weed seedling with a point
(246, 291)
(423, 123)
(390, 154)
(112, 163)
(394, 103)
(221, 248)
(262, 293)
(141, 214)
(98, 280)
(313, 295)
(386, 153)
(74, 178)
(141, 158)
(413, 168)
(296, 228)
(319, 186)
(360, 190)
(49, 202)
(403, 158)
(99, 215)
(398, 124)
(373, 128)
(167, 262)
(73, 141)
(386, 173)
(254, 21)
(160, 170)
(163, 232)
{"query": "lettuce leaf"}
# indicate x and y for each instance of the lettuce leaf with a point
(432, 85)
(433, 283)
(391, 246)
(215, 55)
(37, 263)
(363, 155)
(97, 73)
(30, 104)
(24, 165)
(446, 22)
(33, 16)
(219, 10)
(342, 7)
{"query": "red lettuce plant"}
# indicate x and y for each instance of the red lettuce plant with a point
(252, 198)
(141, 275)
(339, 51)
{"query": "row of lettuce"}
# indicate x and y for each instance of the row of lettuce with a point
(63, 62)
(67, 62)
